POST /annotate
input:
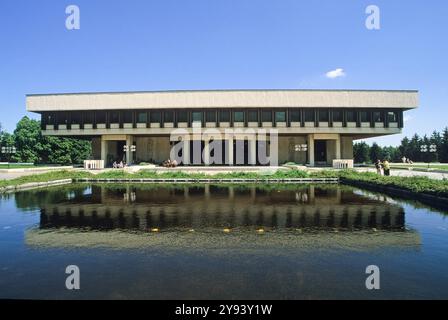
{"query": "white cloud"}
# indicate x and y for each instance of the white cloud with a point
(339, 72)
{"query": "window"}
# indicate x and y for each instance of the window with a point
(266, 116)
(196, 116)
(142, 117)
(100, 117)
(392, 117)
(182, 116)
(337, 116)
(365, 116)
(168, 116)
(238, 116)
(62, 118)
(309, 115)
(155, 116)
(224, 116)
(295, 115)
(210, 116)
(88, 117)
(114, 117)
(48, 118)
(127, 116)
(351, 116)
(280, 116)
(252, 116)
(378, 116)
(75, 118)
(323, 115)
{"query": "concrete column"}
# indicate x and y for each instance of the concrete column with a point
(310, 139)
(338, 147)
(129, 152)
(104, 150)
(253, 150)
(230, 151)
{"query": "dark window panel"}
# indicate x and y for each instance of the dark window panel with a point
(210, 116)
(182, 116)
(155, 116)
(252, 116)
(323, 116)
(280, 116)
(392, 116)
(308, 115)
(168, 116)
(127, 116)
(196, 116)
(365, 116)
(295, 115)
(351, 116)
(377, 116)
(224, 116)
(266, 116)
(142, 117)
(238, 116)
(337, 116)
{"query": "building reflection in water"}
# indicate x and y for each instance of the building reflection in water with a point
(307, 207)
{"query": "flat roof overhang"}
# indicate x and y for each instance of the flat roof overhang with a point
(400, 99)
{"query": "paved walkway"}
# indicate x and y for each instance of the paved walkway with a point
(410, 173)
(213, 170)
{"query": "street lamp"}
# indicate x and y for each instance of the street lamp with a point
(432, 149)
(9, 151)
(301, 147)
(126, 148)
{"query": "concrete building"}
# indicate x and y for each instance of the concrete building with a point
(314, 127)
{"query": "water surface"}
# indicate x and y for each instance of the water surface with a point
(219, 242)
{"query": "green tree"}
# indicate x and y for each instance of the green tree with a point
(443, 150)
(414, 148)
(33, 147)
(376, 153)
(361, 152)
(28, 141)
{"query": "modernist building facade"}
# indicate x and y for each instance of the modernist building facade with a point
(325, 121)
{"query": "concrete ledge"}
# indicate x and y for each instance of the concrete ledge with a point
(429, 199)
(212, 180)
(35, 185)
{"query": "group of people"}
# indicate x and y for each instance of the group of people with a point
(382, 167)
(118, 165)
(170, 163)
(406, 160)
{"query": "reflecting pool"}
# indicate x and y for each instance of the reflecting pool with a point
(219, 242)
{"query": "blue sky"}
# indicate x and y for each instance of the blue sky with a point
(211, 44)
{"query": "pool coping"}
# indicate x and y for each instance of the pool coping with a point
(37, 185)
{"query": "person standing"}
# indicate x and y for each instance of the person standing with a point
(378, 167)
(386, 167)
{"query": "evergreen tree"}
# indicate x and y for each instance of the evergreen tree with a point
(361, 152)
(375, 152)
(443, 150)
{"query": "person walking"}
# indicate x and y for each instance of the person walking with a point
(378, 167)
(386, 167)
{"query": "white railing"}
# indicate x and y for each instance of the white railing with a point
(93, 164)
(343, 163)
